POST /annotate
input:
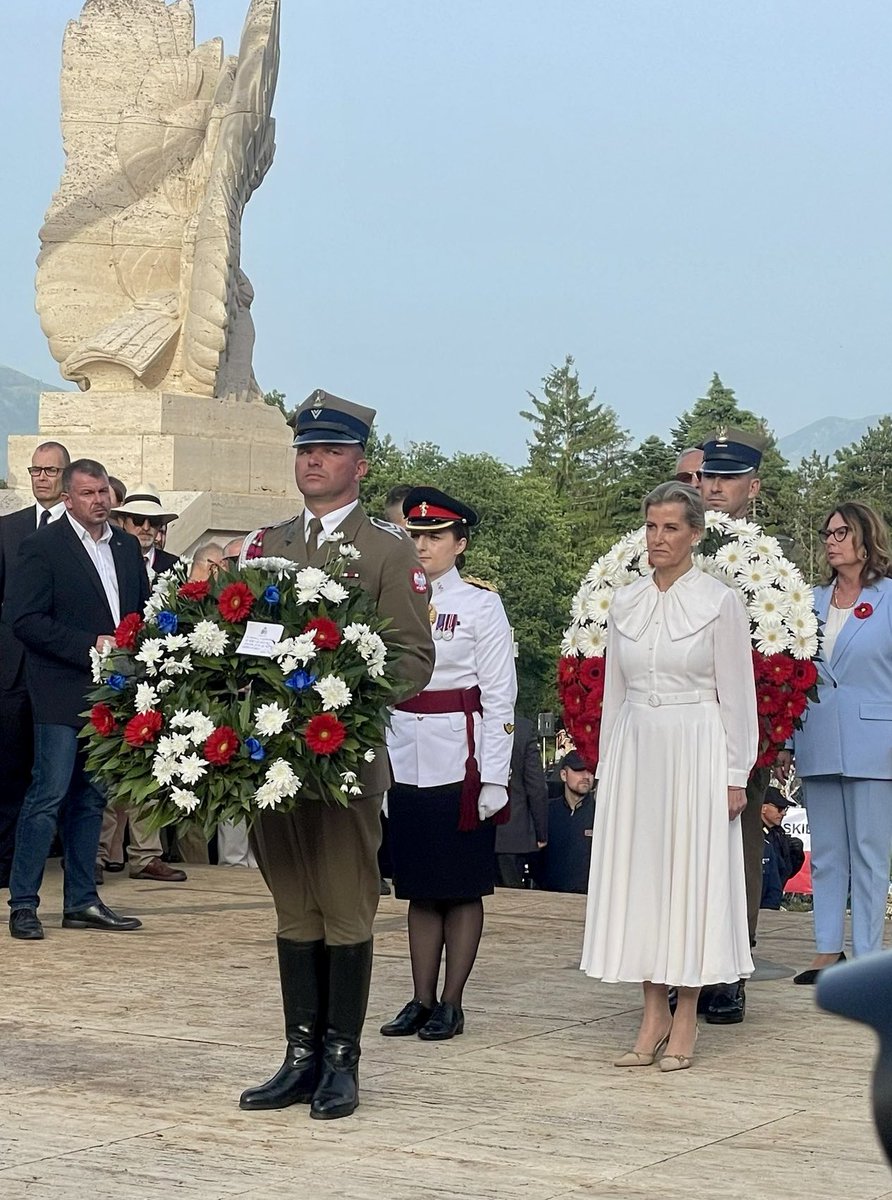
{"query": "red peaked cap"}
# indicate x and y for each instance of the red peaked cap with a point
(427, 508)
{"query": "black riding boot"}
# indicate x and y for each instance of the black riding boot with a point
(302, 971)
(349, 975)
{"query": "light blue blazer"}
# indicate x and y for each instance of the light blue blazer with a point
(850, 731)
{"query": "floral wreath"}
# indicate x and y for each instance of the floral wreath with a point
(783, 626)
(247, 692)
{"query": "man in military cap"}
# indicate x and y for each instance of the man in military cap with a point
(320, 861)
(729, 480)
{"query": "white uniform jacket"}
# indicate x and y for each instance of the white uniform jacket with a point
(474, 648)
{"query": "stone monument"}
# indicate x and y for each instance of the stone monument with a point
(140, 289)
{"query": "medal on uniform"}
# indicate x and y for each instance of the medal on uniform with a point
(445, 626)
(432, 613)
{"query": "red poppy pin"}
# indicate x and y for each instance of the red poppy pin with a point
(863, 611)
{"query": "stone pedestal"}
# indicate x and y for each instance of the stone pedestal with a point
(223, 465)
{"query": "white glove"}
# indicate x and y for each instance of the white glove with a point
(492, 799)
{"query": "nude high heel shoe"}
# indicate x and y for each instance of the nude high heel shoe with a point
(678, 1062)
(634, 1058)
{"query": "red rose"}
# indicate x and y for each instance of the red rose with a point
(221, 745)
(795, 704)
(324, 733)
(197, 590)
(591, 674)
(863, 611)
(235, 602)
(567, 671)
(103, 720)
(143, 728)
(325, 633)
(126, 631)
(769, 700)
(574, 700)
(805, 674)
(778, 668)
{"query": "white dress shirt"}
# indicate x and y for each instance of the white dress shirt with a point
(103, 560)
(330, 521)
(55, 513)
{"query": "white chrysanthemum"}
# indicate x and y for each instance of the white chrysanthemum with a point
(270, 719)
(754, 576)
(308, 584)
(348, 550)
(288, 664)
(355, 632)
(201, 728)
(163, 686)
(348, 776)
(334, 592)
(369, 756)
(267, 796)
(173, 745)
(769, 602)
(804, 646)
(372, 648)
(146, 698)
(592, 641)
(280, 776)
(277, 565)
(336, 535)
(151, 651)
(301, 649)
(164, 770)
(181, 666)
(208, 638)
(334, 692)
(185, 801)
(570, 642)
(175, 641)
(190, 768)
(99, 659)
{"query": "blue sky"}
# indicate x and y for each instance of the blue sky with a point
(463, 193)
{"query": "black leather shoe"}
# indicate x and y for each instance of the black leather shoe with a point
(114, 867)
(408, 1021)
(99, 916)
(446, 1021)
(24, 924)
(728, 1004)
(811, 975)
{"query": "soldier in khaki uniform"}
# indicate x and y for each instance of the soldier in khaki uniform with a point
(320, 861)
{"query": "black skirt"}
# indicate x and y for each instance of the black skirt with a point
(432, 860)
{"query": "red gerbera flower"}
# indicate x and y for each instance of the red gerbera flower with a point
(326, 634)
(574, 700)
(197, 590)
(760, 666)
(778, 668)
(805, 674)
(126, 631)
(325, 733)
(567, 671)
(103, 720)
(221, 745)
(781, 729)
(795, 704)
(143, 728)
(769, 700)
(591, 673)
(235, 602)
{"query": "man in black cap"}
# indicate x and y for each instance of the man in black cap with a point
(563, 864)
(782, 855)
(320, 861)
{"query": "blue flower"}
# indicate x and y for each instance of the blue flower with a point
(255, 749)
(299, 681)
(167, 621)
(118, 682)
(272, 595)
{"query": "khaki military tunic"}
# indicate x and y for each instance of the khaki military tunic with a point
(320, 861)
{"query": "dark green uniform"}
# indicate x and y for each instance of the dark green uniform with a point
(319, 861)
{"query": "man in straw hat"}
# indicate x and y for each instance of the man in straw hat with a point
(143, 514)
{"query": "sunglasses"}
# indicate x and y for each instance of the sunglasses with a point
(50, 472)
(839, 534)
(139, 522)
(687, 477)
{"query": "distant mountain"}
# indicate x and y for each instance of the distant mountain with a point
(18, 406)
(826, 436)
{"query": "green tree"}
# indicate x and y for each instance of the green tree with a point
(864, 469)
(651, 463)
(815, 491)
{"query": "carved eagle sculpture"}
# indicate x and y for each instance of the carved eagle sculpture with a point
(138, 283)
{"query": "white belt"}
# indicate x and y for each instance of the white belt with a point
(657, 699)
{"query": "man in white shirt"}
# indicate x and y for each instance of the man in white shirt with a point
(16, 738)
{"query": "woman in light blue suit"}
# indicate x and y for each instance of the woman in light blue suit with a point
(844, 750)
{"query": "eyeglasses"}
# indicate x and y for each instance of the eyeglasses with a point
(50, 472)
(687, 477)
(839, 534)
(139, 522)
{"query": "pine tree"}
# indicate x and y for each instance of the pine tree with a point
(864, 469)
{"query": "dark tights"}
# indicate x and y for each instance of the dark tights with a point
(433, 924)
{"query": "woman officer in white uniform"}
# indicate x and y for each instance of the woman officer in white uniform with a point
(450, 749)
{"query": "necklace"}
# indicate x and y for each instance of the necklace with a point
(836, 603)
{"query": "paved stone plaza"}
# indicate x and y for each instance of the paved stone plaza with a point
(123, 1056)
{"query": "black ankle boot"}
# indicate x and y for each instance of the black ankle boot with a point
(349, 976)
(302, 970)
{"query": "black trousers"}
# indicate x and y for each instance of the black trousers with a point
(16, 761)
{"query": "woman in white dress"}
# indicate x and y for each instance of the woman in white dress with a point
(679, 734)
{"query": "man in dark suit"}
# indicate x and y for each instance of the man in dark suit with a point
(16, 741)
(526, 832)
(72, 583)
